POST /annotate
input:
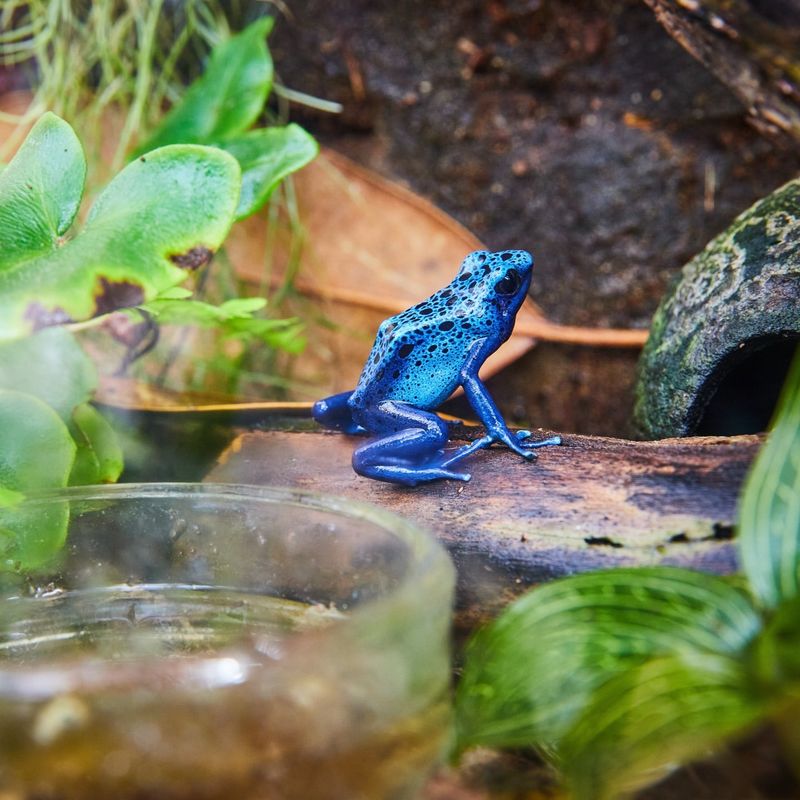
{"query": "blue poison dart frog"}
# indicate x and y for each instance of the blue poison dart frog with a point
(419, 358)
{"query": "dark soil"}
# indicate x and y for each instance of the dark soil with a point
(579, 130)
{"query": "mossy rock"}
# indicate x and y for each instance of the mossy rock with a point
(739, 296)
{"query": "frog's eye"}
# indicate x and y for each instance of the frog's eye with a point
(509, 283)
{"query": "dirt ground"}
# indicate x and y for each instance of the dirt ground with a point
(578, 130)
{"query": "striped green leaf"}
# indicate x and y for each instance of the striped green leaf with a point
(645, 721)
(769, 516)
(529, 674)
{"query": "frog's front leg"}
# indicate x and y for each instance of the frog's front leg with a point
(335, 412)
(409, 451)
(488, 413)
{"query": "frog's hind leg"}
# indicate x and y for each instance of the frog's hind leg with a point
(409, 452)
(335, 412)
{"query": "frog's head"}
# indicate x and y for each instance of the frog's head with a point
(501, 279)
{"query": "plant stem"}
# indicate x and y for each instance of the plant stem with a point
(308, 100)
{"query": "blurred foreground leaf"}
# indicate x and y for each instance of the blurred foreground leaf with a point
(50, 365)
(160, 219)
(651, 718)
(9, 498)
(769, 518)
(36, 452)
(98, 458)
(40, 191)
(529, 674)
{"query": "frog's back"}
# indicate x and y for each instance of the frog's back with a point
(418, 354)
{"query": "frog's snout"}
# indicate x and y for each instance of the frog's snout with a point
(521, 259)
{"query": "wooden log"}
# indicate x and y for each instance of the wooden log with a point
(590, 503)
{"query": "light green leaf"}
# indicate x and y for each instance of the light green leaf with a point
(160, 218)
(229, 96)
(653, 717)
(175, 293)
(9, 498)
(36, 452)
(50, 365)
(769, 516)
(234, 319)
(99, 457)
(266, 157)
(281, 334)
(529, 674)
(196, 312)
(40, 191)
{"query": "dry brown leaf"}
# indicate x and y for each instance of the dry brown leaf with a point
(371, 249)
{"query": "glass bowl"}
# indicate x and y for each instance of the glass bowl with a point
(219, 641)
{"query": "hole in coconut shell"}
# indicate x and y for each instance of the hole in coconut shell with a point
(746, 386)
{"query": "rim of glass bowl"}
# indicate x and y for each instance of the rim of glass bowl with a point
(430, 572)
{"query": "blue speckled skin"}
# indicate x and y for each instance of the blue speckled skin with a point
(419, 358)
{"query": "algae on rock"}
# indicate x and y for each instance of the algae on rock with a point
(739, 295)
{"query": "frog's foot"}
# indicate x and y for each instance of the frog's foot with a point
(523, 446)
(521, 443)
(334, 412)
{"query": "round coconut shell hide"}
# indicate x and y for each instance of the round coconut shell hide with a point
(723, 336)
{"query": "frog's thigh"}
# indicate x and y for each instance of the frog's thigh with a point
(407, 453)
(409, 433)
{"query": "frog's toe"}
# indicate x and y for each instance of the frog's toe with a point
(523, 435)
(550, 441)
(447, 474)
